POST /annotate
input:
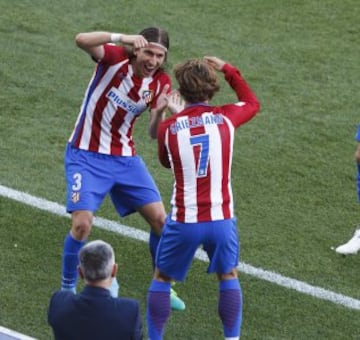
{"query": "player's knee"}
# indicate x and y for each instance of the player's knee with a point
(157, 223)
(161, 277)
(81, 227)
(157, 227)
(80, 231)
(233, 274)
(154, 214)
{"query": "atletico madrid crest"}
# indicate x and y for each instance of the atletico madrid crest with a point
(75, 197)
(148, 96)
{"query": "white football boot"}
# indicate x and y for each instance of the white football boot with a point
(352, 246)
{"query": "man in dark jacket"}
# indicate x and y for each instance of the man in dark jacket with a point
(94, 314)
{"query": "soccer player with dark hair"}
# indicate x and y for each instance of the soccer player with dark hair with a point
(100, 157)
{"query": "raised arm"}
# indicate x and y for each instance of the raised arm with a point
(248, 104)
(93, 42)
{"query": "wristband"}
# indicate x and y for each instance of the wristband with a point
(115, 37)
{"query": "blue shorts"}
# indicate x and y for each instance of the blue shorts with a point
(179, 242)
(91, 176)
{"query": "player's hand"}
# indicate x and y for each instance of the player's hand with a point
(137, 40)
(215, 62)
(175, 102)
(163, 99)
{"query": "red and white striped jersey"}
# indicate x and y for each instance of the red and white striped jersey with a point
(197, 144)
(114, 99)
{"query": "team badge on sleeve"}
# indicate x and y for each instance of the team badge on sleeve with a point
(148, 96)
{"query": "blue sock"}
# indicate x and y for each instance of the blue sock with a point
(153, 244)
(70, 262)
(158, 308)
(230, 307)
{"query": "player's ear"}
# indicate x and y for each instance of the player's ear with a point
(80, 272)
(114, 270)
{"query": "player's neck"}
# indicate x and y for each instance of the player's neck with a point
(100, 284)
(205, 103)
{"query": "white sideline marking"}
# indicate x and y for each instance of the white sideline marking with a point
(9, 334)
(137, 234)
